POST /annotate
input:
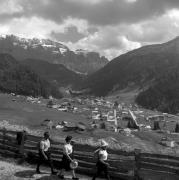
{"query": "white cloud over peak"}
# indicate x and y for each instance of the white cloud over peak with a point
(108, 42)
(30, 27)
(111, 27)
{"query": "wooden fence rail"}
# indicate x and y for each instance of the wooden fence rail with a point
(123, 165)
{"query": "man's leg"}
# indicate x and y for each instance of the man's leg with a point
(98, 172)
(40, 161)
(106, 173)
(50, 162)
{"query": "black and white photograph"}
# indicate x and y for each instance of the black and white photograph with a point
(89, 89)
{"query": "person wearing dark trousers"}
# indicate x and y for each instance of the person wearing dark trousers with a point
(44, 153)
(102, 165)
(67, 159)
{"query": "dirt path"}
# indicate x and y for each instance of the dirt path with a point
(12, 171)
(9, 170)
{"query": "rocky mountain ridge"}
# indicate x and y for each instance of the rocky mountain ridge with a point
(54, 52)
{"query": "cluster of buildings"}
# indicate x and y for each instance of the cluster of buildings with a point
(102, 111)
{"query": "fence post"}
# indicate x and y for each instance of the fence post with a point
(137, 164)
(4, 138)
(21, 146)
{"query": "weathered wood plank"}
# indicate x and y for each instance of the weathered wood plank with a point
(159, 161)
(157, 167)
(162, 156)
(9, 143)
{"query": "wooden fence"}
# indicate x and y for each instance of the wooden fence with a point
(123, 165)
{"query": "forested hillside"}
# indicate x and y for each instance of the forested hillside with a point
(19, 79)
(152, 70)
(57, 74)
(163, 95)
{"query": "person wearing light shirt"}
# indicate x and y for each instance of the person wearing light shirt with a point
(67, 159)
(102, 165)
(44, 153)
(45, 144)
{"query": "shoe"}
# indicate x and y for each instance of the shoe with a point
(75, 178)
(54, 173)
(38, 172)
(61, 176)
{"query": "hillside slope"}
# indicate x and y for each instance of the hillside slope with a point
(17, 78)
(153, 70)
(55, 73)
(138, 68)
(163, 95)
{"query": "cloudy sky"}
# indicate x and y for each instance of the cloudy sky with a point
(111, 27)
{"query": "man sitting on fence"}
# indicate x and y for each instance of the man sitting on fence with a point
(44, 153)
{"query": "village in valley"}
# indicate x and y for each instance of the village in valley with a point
(125, 126)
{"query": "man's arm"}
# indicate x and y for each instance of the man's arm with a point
(96, 151)
(42, 150)
(101, 160)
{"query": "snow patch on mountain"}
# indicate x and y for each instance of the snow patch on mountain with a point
(54, 52)
(62, 50)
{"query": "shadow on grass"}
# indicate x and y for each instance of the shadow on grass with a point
(26, 174)
(51, 178)
(32, 174)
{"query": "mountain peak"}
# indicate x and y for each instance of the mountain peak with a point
(53, 52)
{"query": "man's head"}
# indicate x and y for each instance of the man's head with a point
(46, 135)
(104, 145)
(68, 139)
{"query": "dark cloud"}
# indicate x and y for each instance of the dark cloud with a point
(5, 18)
(92, 30)
(102, 13)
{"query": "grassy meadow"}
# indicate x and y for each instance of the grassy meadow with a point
(18, 112)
